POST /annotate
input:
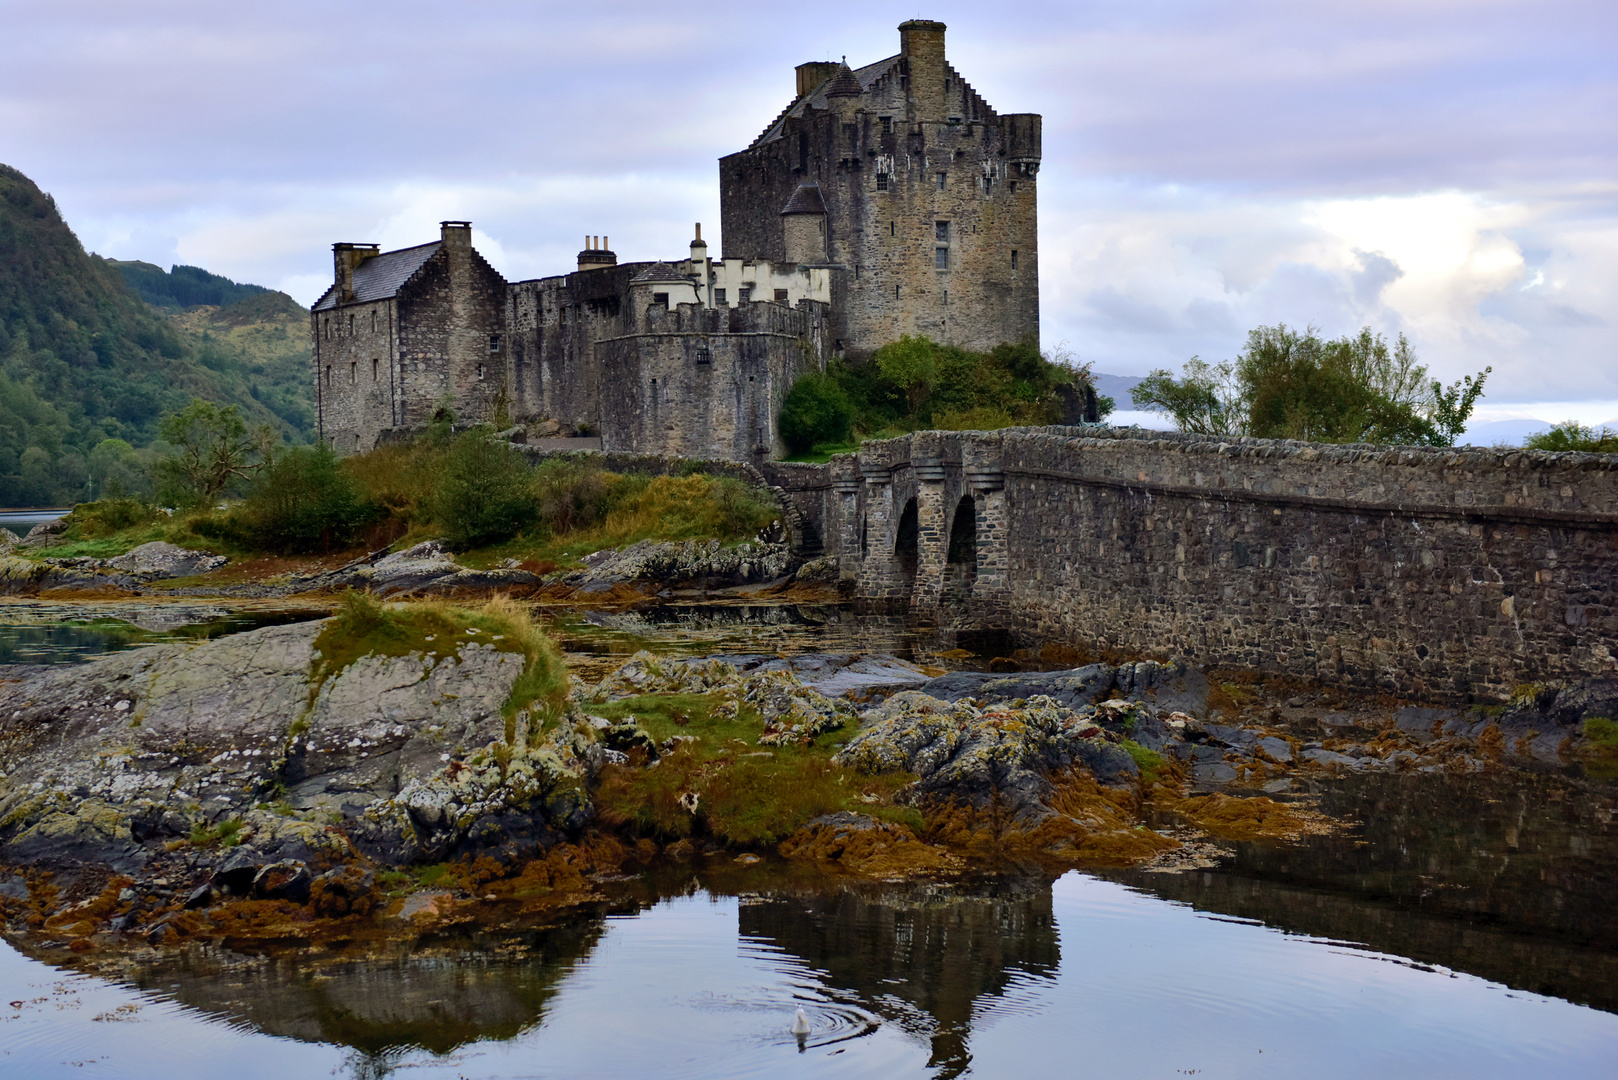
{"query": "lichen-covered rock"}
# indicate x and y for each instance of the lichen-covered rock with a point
(163, 560)
(1171, 686)
(1001, 755)
(692, 561)
(234, 749)
(426, 569)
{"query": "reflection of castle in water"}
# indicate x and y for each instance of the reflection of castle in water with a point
(933, 962)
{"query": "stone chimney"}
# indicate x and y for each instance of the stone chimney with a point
(596, 254)
(456, 235)
(921, 51)
(814, 73)
(345, 258)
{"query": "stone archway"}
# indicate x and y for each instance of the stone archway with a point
(961, 559)
(907, 546)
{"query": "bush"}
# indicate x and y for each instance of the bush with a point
(107, 516)
(816, 411)
(304, 501)
(484, 494)
(572, 495)
(1575, 436)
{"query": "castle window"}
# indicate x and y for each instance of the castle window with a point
(946, 86)
(1013, 187)
(896, 292)
(882, 181)
(376, 370)
(946, 297)
(891, 226)
(719, 296)
(941, 178)
(353, 371)
(660, 299)
(328, 376)
(941, 258)
(494, 342)
(1014, 258)
(941, 231)
(373, 320)
(744, 294)
(780, 296)
(482, 371)
(703, 356)
(327, 322)
(887, 124)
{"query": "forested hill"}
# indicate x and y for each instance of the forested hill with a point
(87, 368)
(183, 286)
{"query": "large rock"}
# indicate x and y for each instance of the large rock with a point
(163, 560)
(426, 569)
(108, 762)
(692, 562)
(1170, 687)
(995, 755)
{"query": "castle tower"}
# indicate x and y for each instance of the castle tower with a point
(927, 198)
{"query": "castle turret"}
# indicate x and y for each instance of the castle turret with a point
(804, 222)
(921, 59)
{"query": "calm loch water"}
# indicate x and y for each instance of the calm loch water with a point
(1463, 929)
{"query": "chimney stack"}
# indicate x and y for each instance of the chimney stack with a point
(456, 234)
(814, 73)
(921, 48)
(596, 255)
(345, 258)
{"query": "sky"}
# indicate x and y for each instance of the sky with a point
(1446, 169)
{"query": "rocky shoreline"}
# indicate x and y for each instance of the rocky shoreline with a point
(251, 788)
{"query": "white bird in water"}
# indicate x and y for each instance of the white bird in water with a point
(800, 1026)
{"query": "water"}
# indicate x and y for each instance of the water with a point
(1462, 929)
(51, 632)
(1083, 975)
(20, 521)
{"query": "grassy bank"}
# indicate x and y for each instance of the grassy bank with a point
(479, 495)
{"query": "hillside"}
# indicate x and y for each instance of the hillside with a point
(182, 286)
(87, 368)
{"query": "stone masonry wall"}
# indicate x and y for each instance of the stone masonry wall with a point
(355, 374)
(451, 335)
(1434, 573)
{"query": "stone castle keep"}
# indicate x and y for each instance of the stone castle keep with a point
(885, 200)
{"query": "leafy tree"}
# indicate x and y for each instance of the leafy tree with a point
(1290, 384)
(911, 364)
(212, 450)
(816, 411)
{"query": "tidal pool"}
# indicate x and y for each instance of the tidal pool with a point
(1081, 977)
(71, 632)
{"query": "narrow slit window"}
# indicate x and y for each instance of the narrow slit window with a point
(354, 372)
(376, 370)
(896, 292)
(483, 372)
(892, 225)
(942, 177)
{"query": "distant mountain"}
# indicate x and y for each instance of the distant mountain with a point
(182, 286)
(87, 368)
(1116, 387)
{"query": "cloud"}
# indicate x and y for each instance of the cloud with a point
(1441, 168)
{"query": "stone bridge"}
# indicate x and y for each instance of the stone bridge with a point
(1441, 574)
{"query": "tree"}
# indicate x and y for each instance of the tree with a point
(816, 411)
(911, 364)
(305, 501)
(212, 450)
(1290, 384)
(1572, 435)
(485, 493)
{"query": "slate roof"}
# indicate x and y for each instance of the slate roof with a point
(806, 200)
(661, 271)
(844, 84)
(817, 98)
(381, 276)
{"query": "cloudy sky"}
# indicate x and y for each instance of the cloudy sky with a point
(1444, 168)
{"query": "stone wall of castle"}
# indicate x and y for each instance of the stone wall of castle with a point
(914, 166)
(356, 375)
(451, 335)
(708, 382)
(1442, 574)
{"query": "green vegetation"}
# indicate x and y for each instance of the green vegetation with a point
(1148, 760)
(1575, 436)
(182, 286)
(1292, 385)
(1602, 732)
(212, 451)
(306, 501)
(746, 795)
(225, 834)
(87, 368)
(365, 626)
(915, 384)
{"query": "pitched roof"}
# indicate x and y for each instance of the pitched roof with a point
(381, 276)
(817, 97)
(660, 272)
(806, 200)
(844, 84)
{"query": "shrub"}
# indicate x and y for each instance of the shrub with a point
(305, 501)
(571, 495)
(484, 494)
(816, 411)
(1572, 435)
(94, 519)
